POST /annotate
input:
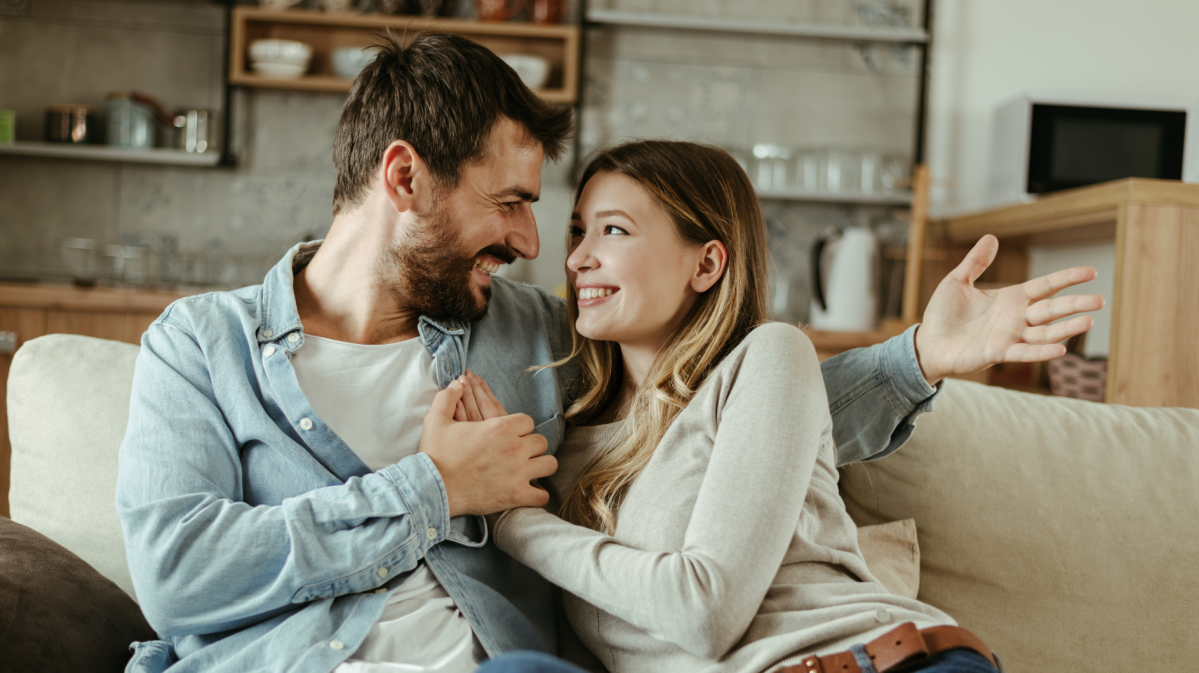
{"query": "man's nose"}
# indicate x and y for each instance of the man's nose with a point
(522, 239)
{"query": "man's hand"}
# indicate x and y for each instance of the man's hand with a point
(966, 330)
(486, 465)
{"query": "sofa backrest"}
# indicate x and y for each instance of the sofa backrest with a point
(1062, 532)
(68, 402)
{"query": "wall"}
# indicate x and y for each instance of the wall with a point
(229, 224)
(986, 53)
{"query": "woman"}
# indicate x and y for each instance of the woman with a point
(701, 528)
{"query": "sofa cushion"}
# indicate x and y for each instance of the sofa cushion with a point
(1058, 530)
(68, 401)
(57, 613)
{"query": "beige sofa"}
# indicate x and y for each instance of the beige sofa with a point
(1062, 532)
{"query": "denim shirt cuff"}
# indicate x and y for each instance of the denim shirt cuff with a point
(422, 490)
(908, 390)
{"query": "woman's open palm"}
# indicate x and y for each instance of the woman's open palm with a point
(966, 330)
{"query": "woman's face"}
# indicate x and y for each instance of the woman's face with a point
(635, 277)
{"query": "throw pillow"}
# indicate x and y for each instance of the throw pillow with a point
(893, 555)
(57, 613)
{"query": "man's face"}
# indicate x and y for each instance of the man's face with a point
(445, 261)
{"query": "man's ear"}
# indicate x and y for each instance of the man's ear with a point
(714, 259)
(405, 178)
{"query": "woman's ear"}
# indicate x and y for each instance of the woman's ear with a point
(404, 177)
(714, 258)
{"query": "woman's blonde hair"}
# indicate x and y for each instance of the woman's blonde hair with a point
(709, 197)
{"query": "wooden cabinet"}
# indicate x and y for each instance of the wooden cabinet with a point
(559, 44)
(31, 311)
(1154, 350)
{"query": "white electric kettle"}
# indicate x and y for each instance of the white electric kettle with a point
(845, 271)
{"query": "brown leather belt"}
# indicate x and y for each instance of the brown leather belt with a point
(901, 646)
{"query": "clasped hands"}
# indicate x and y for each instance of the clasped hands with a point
(487, 458)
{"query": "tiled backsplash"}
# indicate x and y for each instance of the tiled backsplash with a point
(728, 89)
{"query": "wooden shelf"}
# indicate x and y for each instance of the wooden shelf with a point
(558, 44)
(814, 30)
(901, 199)
(157, 155)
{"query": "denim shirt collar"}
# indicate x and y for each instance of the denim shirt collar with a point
(281, 318)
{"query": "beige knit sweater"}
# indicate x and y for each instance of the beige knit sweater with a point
(732, 551)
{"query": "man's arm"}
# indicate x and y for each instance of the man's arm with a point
(875, 395)
(203, 560)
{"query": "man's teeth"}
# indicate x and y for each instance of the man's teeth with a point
(488, 267)
(593, 292)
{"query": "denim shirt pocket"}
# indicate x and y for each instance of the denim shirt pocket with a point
(552, 430)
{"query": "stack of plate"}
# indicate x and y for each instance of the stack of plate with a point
(280, 59)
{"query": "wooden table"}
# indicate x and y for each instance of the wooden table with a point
(31, 311)
(1154, 351)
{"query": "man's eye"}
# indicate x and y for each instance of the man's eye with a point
(575, 232)
(511, 205)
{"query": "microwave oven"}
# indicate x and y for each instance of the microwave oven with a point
(1045, 143)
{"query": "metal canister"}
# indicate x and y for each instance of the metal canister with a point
(192, 130)
(70, 124)
(131, 123)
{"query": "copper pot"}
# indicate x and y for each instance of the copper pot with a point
(498, 10)
(548, 11)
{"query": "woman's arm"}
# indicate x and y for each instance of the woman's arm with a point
(772, 419)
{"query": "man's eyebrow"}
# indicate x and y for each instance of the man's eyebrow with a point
(520, 193)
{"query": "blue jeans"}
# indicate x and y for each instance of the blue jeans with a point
(951, 661)
(528, 662)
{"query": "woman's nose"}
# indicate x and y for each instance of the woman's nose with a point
(582, 257)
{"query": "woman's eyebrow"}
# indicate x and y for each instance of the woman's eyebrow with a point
(617, 213)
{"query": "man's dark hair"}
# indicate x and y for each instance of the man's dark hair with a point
(443, 94)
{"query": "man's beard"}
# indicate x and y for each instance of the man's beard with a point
(435, 273)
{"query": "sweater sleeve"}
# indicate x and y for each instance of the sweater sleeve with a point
(772, 418)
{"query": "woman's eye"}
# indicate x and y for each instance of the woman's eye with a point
(613, 229)
(575, 232)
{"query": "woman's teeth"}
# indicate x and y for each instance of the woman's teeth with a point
(593, 292)
(486, 266)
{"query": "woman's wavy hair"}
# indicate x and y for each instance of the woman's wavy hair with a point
(708, 197)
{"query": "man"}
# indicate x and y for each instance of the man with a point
(293, 496)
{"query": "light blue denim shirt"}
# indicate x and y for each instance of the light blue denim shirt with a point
(258, 541)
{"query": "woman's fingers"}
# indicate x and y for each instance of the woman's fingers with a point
(1048, 310)
(977, 260)
(1058, 331)
(1047, 286)
(469, 399)
(489, 406)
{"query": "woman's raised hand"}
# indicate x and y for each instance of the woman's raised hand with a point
(478, 403)
(966, 330)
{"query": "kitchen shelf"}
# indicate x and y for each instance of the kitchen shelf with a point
(559, 44)
(900, 199)
(158, 155)
(814, 30)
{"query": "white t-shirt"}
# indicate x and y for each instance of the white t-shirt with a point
(375, 398)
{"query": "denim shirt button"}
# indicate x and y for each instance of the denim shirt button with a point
(293, 337)
(383, 571)
(266, 333)
(268, 351)
(336, 645)
(432, 533)
(305, 423)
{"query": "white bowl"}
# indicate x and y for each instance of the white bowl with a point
(348, 62)
(280, 51)
(279, 70)
(533, 70)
